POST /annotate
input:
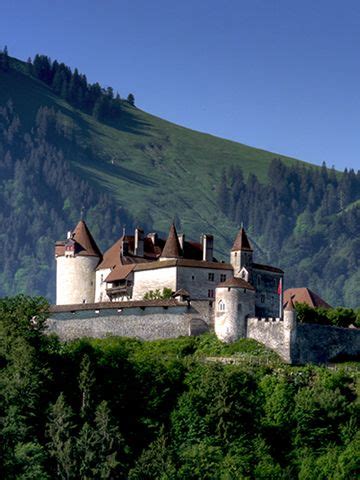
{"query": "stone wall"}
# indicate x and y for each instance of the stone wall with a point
(197, 281)
(279, 335)
(323, 343)
(146, 323)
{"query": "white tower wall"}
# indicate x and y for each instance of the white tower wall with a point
(75, 279)
(232, 306)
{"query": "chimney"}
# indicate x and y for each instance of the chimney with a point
(69, 234)
(124, 247)
(153, 237)
(181, 238)
(207, 247)
(139, 242)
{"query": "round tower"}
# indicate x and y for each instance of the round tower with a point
(76, 261)
(234, 302)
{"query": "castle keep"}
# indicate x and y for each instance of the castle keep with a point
(107, 294)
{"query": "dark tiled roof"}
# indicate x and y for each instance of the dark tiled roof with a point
(181, 293)
(112, 257)
(115, 305)
(120, 272)
(182, 262)
(84, 239)
(172, 248)
(305, 295)
(236, 282)
(268, 268)
(241, 241)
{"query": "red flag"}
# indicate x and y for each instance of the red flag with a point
(280, 287)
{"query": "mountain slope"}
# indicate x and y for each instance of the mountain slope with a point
(132, 168)
(151, 166)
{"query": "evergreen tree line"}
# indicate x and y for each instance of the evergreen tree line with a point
(120, 408)
(4, 60)
(305, 219)
(41, 198)
(73, 87)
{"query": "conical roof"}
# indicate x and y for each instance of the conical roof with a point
(172, 248)
(289, 307)
(241, 241)
(83, 237)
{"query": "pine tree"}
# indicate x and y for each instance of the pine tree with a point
(131, 99)
(62, 443)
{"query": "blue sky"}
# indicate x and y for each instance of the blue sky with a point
(283, 75)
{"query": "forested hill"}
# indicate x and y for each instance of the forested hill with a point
(66, 144)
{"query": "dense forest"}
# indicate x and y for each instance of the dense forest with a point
(308, 219)
(117, 408)
(301, 218)
(40, 196)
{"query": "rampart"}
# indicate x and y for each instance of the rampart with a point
(150, 320)
(300, 343)
(296, 343)
(324, 343)
(277, 334)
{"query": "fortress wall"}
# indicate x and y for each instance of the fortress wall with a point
(151, 323)
(273, 333)
(146, 280)
(323, 343)
(205, 309)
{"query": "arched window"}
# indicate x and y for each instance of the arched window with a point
(221, 306)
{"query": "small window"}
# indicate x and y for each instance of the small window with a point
(221, 306)
(193, 277)
(262, 298)
(102, 278)
(211, 277)
(235, 254)
(211, 293)
(242, 274)
(222, 277)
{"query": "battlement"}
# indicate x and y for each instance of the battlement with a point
(266, 319)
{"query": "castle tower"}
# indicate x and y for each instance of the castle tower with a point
(241, 254)
(289, 313)
(172, 248)
(234, 302)
(76, 260)
(290, 332)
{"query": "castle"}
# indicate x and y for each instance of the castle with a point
(107, 294)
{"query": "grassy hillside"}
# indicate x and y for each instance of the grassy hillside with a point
(150, 166)
(127, 167)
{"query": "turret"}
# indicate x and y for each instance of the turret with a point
(76, 261)
(234, 303)
(290, 332)
(241, 253)
(289, 313)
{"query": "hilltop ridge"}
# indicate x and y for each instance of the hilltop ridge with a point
(134, 168)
